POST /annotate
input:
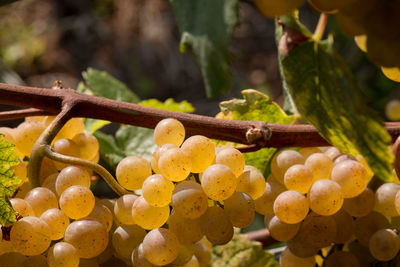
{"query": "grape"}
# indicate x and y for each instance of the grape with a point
(298, 177)
(186, 252)
(108, 203)
(30, 236)
(22, 207)
(70, 176)
(147, 216)
(360, 158)
(73, 127)
(317, 231)
(123, 208)
(57, 221)
(88, 145)
(361, 252)
(347, 227)
(385, 197)
(35, 261)
(41, 199)
(201, 151)
(384, 244)
(188, 231)
(89, 237)
(5, 246)
(240, 209)
(341, 258)
(50, 183)
(132, 171)
(23, 190)
(77, 201)
(232, 158)
(106, 255)
(325, 197)
(392, 109)
(88, 263)
(216, 226)
(138, 259)
(300, 248)
(282, 161)
(291, 207)
(193, 262)
(332, 152)
(102, 214)
(288, 259)
(360, 205)
(218, 182)
(265, 203)
(351, 176)
(343, 157)
(157, 153)
(169, 131)
(21, 171)
(174, 164)
(157, 190)
(25, 136)
(321, 166)
(361, 41)
(66, 147)
(251, 182)
(308, 151)
(13, 259)
(279, 230)
(367, 225)
(271, 8)
(160, 246)
(126, 238)
(46, 169)
(63, 254)
(189, 200)
(203, 254)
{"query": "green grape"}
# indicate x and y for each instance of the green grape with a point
(189, 200)
(201, 151)
(203, 254)
(63, 254)
(218, 182)
(216, 226)
(77, 201)
(385, 197)
(88, 145)
(308, 151)
(351, 176)
(132, 171)
(343, 157)
(57, 221)
(279, 230)
(188, 231)
(360, 205)
(147, 216)
(367, 225)
(30, 236)
(138, 259)
(291, 207)
(73, 127)
(318, 231)
(50, 183)
(156, 156)
(41, 199)
(174, 164)
(89, 237)
(22, 207)
(169, 131)
(298, 177)
(35, 261)
(88, 263)
(160, 246)
(70, 176)
(232, 158)
(282, 161)
(251, 182)
(102, 214)
(347, 227)
(271, 8)
(392, 109)
(186, 252)
(126, 238)
(325, 197)
(157, 190)
(13, 259)
(288, 259)
(384, 244)
(321, 166)
(25, 136)
(265, 203)
(123, 208)
(341, 258)
(66, 147)
(240, 209)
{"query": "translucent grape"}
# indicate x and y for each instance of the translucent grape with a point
(341, 258)
(186, 252)
(216, 226)
(325, 197)
(77, 201)
(132, 171)
(156, 155)
(288, 259)
(160, 246)
(240, 209)
(343, 157)
(321, 166)
(102, 214)
(308, 151)
(279, 230)
(46, 169)
(300, 248)
(174, 164)
(272, 8)
(251, 182)
(35, 261)
(282, 161)
(332, 152)
(367, 225)
(89, 237)
(189, 200)
(291, 207)
(14, 259)
(88, 145)
(50, 183)
(138, 259)
(70, 176)
(30, 236)
(188, 231)
(193, 262)
(384, 244)
(346, 227)
(157, 190)
(126, 238)
(298, 177)
(41, 199)
(203, 254)
(63, 254)
(218, 182)
(57, 221)
(123, 208)
(25, 136)
(147, 216)
(21, 171)
(73, 127)
(66, 147)
(232, 158)
(385, 197)
(22, 207)
(360, 205)
(265, 203)
(169, 131)
(201, 151)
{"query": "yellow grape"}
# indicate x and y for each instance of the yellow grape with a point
(346, 227)
(251, 182)
(332, 152)
(147, 216)
(123, 208)
(50, 183)
(169, 131)
(138, 259)
(321, 166)
(156, 156)
(301, 248)
(70, 176)
(360, 158)
(102, 214)
(298, 177)
(361, 41)
(351, 176)
(232, 158)
(73, 127)
(271, 8)
(66, 147)
(14, 259)
(132, 171)
(279, 230)
(57, 221)
(392, 109)
(35, 261)
(240, 209)
(367, 225)
(41, 199)
(201, 151)
(341, 258)
(186, 252)
(282, 161)
(77, 201)
(22, 207)
(325, 197)
(291, 207)
(63, 254)
(174, 164)
(48, 168)
(216, 226)
(157, 190)
(385, 198)
(23, 190)
(360, 205)
(126, 238)
(308, 151)
(203, 254)
(25, 136)
(384, 244)
(288, 259)
(189, 200)
(21, 171)
(265, 203)
(88, 145)
(218, 182)
(188, 231)
(160, 246)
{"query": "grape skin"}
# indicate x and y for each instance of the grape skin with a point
(360, 205)
(66, 147)
(288, 259)
(291, 207)
(325, 197)
(169, 131)
(298, 177)
(232, 158)
(160, 246)
(216, 226)
(201, 151)
(251, 182)
(58, 222)
(240, 209)
(77, 201)
(174, 164)
(123, 208)
(282, 161)
(186, 252)
(126, 238)
(189, 200)
(271, 8)
(367, 225)
(22, 207)
(132, 171)
(347, 227)
(88, 145)
(341, 258)
(102, 214)
(265, 203)
(321, 166)
(63, 254)
(218, 182)
(157, 190)
(70, 176)
(385, 197)
(147, 216)
(41, 199)
(156, 156)
(25, 136)
(384, 244)
(188, 231)
(279, 230)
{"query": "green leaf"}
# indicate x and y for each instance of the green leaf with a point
(255, 106)
(109, 149)
(9, 182)
(327, 95)
(206, 27)
(242, 252)
(169, 104)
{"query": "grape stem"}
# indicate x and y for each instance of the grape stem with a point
(320, 29)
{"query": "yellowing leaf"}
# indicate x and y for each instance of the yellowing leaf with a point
(169, 104)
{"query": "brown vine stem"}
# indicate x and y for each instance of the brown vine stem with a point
(22, 113)
(320, 29)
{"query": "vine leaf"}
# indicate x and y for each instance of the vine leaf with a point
(169, 104)
(206, 27)
(9, 182)
(327, 95)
